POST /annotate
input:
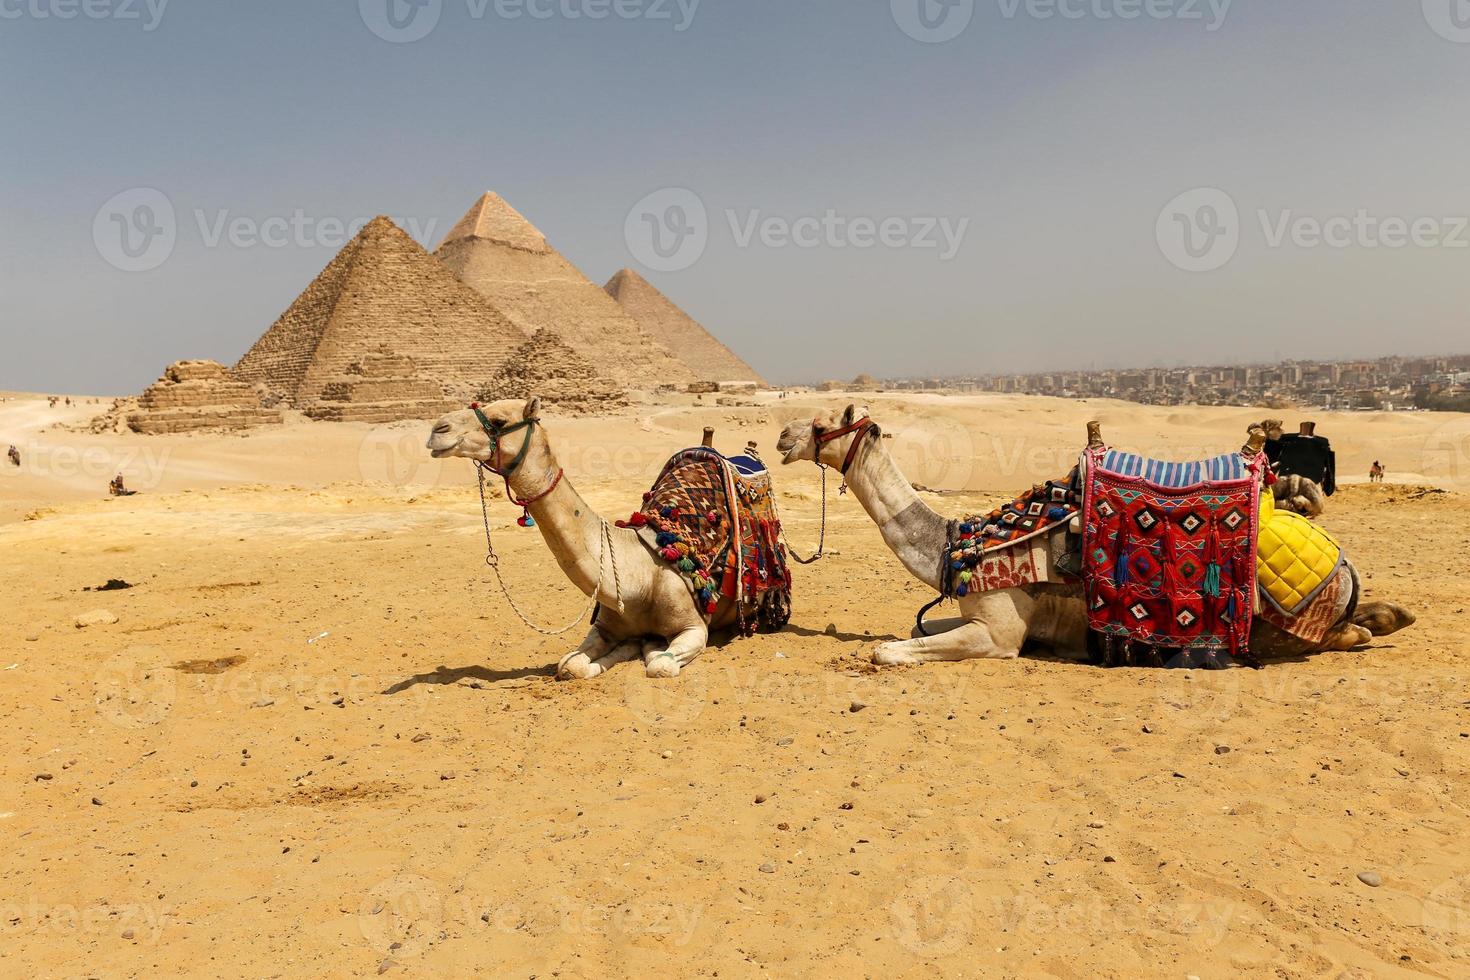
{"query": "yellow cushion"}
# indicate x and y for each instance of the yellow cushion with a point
(1295, 557)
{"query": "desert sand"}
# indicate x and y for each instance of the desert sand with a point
(316, 741)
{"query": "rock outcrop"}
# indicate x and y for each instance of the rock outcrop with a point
(196, 395)
(547, 366)
(381, 387)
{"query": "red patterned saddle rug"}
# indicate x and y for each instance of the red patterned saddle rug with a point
(1169, 555)
(717, 524)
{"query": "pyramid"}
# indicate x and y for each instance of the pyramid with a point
(383, 291)
(677, 330)
(501, 255)
(547, 366)
(197, 395)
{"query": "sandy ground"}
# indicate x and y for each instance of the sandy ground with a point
(316, 742)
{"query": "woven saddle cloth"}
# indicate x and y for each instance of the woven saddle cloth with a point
(714, 520)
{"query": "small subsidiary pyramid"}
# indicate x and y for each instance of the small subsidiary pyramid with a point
(383, 291)
(677, 330)
(502, 256)
(546, 366)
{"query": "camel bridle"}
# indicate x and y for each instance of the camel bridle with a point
(861, 428)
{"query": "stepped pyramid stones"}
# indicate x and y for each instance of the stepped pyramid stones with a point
(501, 255)
(678, 331)
(381, 387)
(382, 289)
(194, 395)
(547, 366)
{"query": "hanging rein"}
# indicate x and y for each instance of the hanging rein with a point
(860, 427)
(605, 548)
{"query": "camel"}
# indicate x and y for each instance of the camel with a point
(997, 624)
(644, 607)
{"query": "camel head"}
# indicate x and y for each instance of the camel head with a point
(799, 439)
(461, 433)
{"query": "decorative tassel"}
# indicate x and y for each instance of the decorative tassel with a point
(962, 590)
(526, 520)
(1212, 580)
(686, 565)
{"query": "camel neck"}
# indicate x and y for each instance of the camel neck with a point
(913, 531)
(570, 528)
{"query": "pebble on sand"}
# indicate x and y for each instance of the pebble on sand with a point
(856, 706)
(97, 617)
(768, 868)
(1370, 878)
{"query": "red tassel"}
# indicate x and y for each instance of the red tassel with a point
(639, 519)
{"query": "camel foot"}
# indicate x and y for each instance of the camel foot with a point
(1383, 618)
(1347, 636)
(893, 655)
(577, 666)
(661, 665)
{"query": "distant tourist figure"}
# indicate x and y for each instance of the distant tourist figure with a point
(118, 489)
(14, 455)
(1375, 472)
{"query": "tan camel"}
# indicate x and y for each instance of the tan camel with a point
(998, 624)
(645, 608)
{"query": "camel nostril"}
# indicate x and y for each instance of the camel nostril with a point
(442, 429)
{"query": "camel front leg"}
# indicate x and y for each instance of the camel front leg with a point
(584, 662)
(994, 629)
(972, 641)
(685, 645)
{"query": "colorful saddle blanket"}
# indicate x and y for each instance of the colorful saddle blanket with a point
(1169, 552)
(1005, 548)
(716, 522)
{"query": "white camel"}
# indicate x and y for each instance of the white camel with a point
(645, 608)
(998, 624)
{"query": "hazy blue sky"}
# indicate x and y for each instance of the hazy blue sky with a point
(1051, 147)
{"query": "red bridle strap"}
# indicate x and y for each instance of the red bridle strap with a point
(861, 427)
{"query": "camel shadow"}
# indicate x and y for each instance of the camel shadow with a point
(453, 675)
(802, 631)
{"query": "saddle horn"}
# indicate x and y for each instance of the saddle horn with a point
(1094, 435)
(709, 437)
(1257, 441)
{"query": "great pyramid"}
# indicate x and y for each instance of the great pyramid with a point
(382, 291)
(677, 330)
(501, 255)
(546, 366)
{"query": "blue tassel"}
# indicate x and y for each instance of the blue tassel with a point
(1056, 513)
(957, 565)
(1212, 581)
(966, 529)
(665, 539)
(962, 591)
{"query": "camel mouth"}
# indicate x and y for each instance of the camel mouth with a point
(447, 450)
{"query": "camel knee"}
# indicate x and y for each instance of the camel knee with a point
(1383, 618)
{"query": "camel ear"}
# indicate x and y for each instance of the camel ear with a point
(862, 413)
(533, 408)
(848, 416)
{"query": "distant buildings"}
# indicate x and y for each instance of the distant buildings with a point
(1389, 383)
